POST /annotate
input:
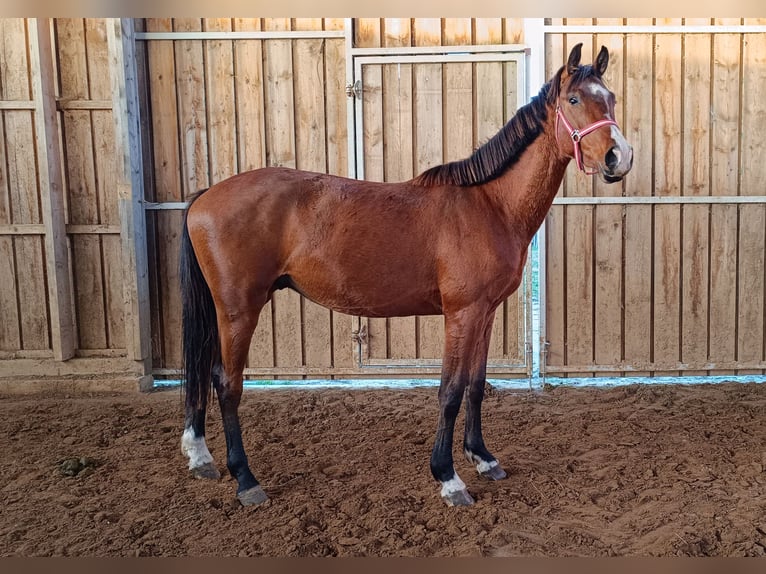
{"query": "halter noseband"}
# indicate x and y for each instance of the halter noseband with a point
(577, 136)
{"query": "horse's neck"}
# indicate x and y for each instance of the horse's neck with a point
(526, 191)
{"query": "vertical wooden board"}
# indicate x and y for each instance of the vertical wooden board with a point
(457, 31)
(608, 287)
(35, 332)
(219, 79)
(724, 181)
(10, 335)
(103, 133)
(554, 353)
(288, 336)
(428, 31)
(373, 150)
(667, 182)
(696, 177)
(398, 164)
(428, 151)
(193, 133)
(307, 24)
(396, 32)
(310, 138)
(334, 23)
(276, 24)
(82, 184)
(344, 345)
(638, 218)
(89, 292)
(488, 30)
(750, 339)
(367, 32)
(280, 118)
(513, 30)
(164, 114)
(458, 109)
(169, 224)
(248, 85)
(489, 113)
(555, 290)
(261, 353)
(335, 104)
(579, 249)
(14, 64)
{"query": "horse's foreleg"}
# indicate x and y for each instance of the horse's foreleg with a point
(462, 333)
(473, 442)
(235, 341)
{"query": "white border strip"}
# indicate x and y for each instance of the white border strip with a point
(440, 50)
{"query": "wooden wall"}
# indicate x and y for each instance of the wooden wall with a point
(667, 288)
(218, 107)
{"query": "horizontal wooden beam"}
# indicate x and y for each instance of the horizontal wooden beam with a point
(645, 367)
(66, 105)
(71, 229)
(611, 29)
(664, 200)
(17, 105)
(252, 35)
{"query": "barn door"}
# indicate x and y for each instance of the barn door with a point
(414, 111)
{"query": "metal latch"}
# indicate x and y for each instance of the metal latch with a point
(354, 90)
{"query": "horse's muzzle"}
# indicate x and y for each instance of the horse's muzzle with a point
(618, 163)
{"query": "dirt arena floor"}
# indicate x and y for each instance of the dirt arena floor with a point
(627, 471)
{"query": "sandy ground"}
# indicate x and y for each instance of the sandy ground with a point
(629, 471)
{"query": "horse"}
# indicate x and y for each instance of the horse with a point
(452, 241)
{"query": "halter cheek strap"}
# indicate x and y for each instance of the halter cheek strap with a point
(578, 134)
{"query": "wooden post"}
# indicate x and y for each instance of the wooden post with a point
(51, 189)
(135, 267)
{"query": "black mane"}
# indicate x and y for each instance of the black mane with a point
(503, 150)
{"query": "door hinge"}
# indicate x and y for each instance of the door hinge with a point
(360, 336)
(354, 90)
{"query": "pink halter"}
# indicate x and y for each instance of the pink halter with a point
(577, 135)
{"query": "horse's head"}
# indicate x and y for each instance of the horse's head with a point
(585, 125)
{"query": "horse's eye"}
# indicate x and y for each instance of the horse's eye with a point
(573, 100)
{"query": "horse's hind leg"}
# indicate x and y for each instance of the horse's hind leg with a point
(194, 446)
(236, 331)
(473, 442)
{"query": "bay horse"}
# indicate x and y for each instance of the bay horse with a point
(451, 241)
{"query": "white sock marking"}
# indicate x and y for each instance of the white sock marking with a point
(195, 448)
(452, 485)
(481, 464)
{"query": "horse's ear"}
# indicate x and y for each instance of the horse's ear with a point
(602, 60)
(574, 59)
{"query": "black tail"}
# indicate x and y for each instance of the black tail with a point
(200, 327)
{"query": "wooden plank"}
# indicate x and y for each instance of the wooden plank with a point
(280, 146)
(87, 262)
(428, 31)
(219, 78)
(105, 152)
(163, 97)
(126, 104)
(724, 180)
(608, 227)
(31, 140)
(513, 30)
(667, 182)
(192, 109)
(368, 34)
(488, 30)
(695, 218)
(489, 117)
(11, 31)
(310, 138)
(579, 250)
(428, 151)
(398, 158)
(637, 282)
(554, 352)
(457, 31)
(248, 83)
(750, 339)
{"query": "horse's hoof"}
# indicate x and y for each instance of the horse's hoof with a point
(207, 471)
(494, 473)
(252, 496)
(458, 498)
